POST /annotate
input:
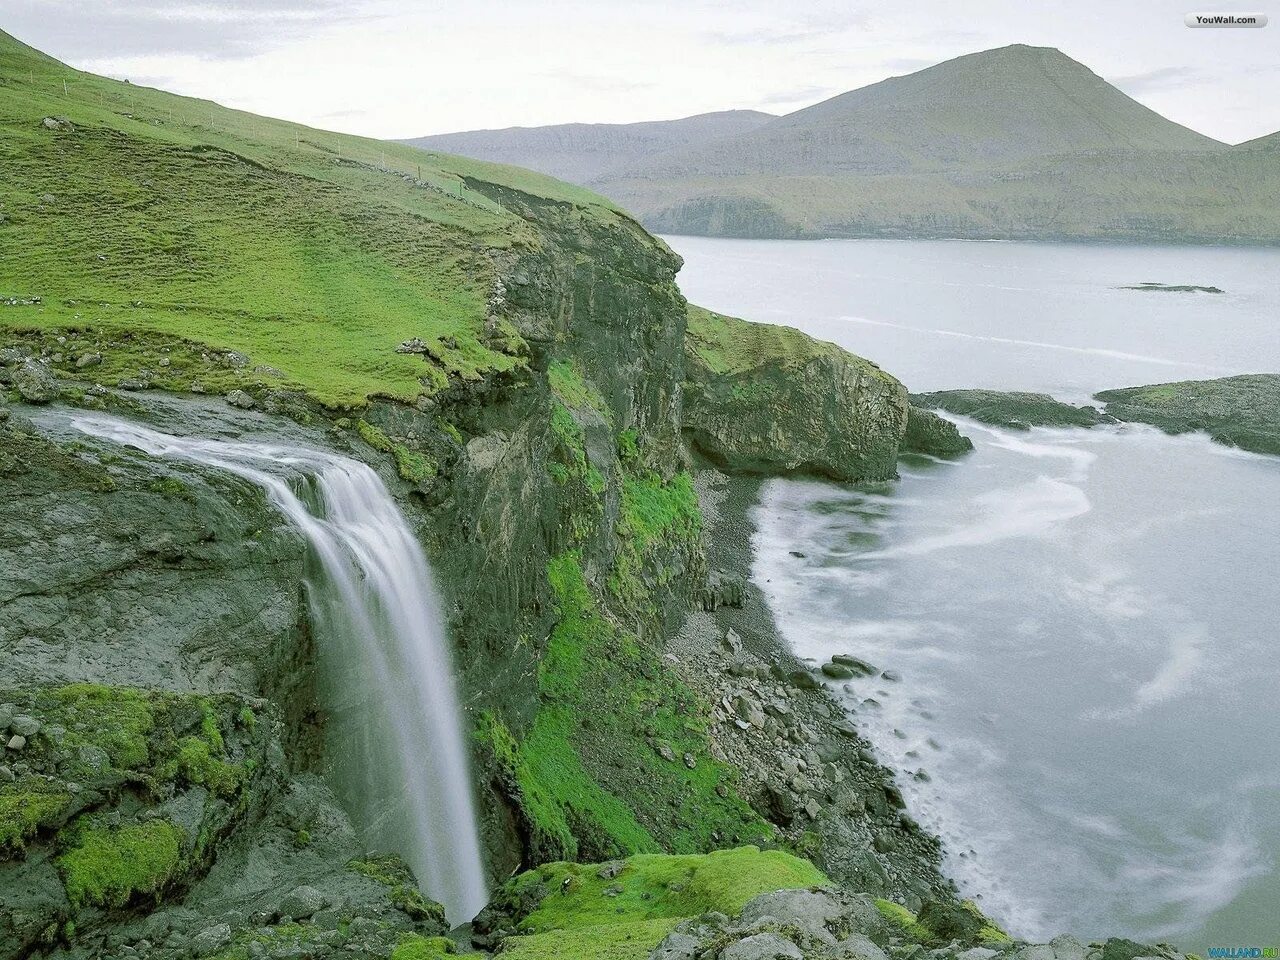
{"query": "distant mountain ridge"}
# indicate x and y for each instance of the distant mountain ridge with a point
(1015, 142)
(586, 152)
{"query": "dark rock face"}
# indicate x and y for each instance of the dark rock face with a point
(1241, 411)
(768, 400)
(1016, 411)
(930, 434)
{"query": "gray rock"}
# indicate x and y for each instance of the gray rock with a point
(1067, 948)
(7, 712)
(17, 742)
(808, 910)
(762, 946)
(34, 381)
(24, 725)
(803, 680)
(88, 360)
(241, 400)
(859, 666)
(977, 953)
(6, 775)
(1035, 951)
(857, 947)
(133, 383)
(95, 758)
(302, 902)
(676, 946)
(57, 123)
(11, 355)
(838, 671)
(211, 940)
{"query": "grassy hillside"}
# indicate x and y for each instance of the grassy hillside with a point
(313, 253)
(587, 152)
(994, 107)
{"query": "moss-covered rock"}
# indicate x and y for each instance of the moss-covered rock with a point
(1013, 410)
(623, 908)
(930, 434)
(768, 399)
(1241, 411)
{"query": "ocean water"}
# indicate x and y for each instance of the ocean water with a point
(1084, 624)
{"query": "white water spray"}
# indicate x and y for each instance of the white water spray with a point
(395, 738)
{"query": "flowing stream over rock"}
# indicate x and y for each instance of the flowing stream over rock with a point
(395, 743)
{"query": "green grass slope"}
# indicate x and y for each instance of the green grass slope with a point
(622, 911)
(311, 252)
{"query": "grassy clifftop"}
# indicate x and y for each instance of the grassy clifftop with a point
(124, 208)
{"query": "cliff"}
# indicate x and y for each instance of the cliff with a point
(767, 399)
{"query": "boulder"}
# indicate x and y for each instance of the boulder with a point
(930, 434)
(762, 946)
(241, 400)
(302, 902)
(35, 382)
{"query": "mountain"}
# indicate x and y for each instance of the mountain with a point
(585, 152)
(1270, 141)
(1016, 142)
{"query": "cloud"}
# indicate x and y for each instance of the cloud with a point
(228, 29)
(808, 94)
(1159, 79)
(597, 82)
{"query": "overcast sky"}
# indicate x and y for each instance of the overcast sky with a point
(396, 68)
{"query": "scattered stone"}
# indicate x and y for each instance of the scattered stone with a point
(17, 742)
(838, 671)
(610, 870)
(892, 675)
(665, 752)
(762, 946)
(211, 940)
(302, 902)
(24, 725)
(88, 360)
(34, 381)
(95, 758)
(803, 680)
(241, 400)
(416, 345)
(133, 383)
(6, 775)
(690, 761)
(57, 123)
(860, 666)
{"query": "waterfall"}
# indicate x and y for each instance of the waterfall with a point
(395, 741)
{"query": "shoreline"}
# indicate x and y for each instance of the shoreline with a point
(803, 762)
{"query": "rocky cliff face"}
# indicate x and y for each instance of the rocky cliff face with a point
(766, 399)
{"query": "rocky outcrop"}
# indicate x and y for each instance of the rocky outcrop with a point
(1241, 411)
(930, 434)
(1012, 410)
(766, 399)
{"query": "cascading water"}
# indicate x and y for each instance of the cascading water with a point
(395, 740)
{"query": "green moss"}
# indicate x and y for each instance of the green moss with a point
(628, 447)
(403, 893)
(584, 914)
(899, 915)
(197, 764)
(415, 947)
(108, 867)
(568, 383)
(654, 513)
(170, 486)
(23, 811)
(586, 775)
(615, 941)
(410, 464)
(726, 345)
(119, 720)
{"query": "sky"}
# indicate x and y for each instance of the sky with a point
(397, 68)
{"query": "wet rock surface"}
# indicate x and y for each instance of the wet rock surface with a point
(1013, 410)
